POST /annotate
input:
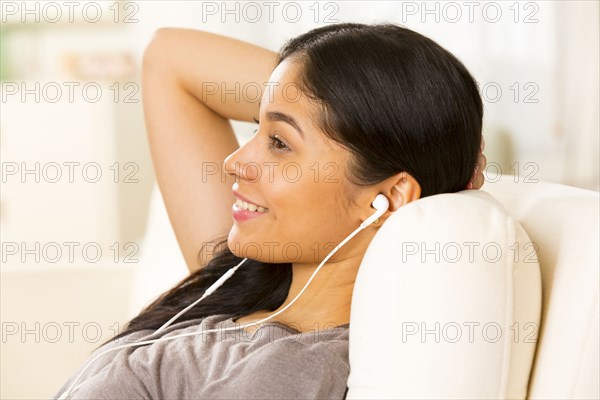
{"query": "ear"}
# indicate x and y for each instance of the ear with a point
(400, 189)
(403, 189)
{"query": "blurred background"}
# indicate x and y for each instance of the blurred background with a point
(86, 242)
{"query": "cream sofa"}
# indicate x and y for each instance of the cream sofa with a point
(564, 222)
(397, 348)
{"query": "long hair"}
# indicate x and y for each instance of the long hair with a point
(397, 101)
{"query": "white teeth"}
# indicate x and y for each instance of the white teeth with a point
(249, 206)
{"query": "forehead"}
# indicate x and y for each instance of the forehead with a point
(283, 93)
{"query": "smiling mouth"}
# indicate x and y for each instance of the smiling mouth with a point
(244, 205)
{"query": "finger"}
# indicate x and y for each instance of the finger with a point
(479, 178)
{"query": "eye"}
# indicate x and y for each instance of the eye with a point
(276, 144)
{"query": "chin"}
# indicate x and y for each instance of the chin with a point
(245, 248)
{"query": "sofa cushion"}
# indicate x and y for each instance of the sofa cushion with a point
(564, 222)
(446, 303)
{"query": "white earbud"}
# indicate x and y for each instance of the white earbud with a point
(381, 204)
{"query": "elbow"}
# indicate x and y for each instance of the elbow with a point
(161, 48)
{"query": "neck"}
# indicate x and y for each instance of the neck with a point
(326, 302)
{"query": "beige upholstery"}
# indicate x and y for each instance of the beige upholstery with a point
(390, 294)
(563, 221)
(446, 304)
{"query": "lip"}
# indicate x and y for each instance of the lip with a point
(247, 200)
(243, 215)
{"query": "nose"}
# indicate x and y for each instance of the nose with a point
(239, 164)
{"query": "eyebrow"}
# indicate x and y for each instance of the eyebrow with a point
(288, 119)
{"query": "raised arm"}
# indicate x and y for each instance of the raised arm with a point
(188, 127)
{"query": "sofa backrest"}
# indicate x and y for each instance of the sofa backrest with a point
(443, 306)
(564, 222)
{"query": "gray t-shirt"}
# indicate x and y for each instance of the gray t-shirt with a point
(276, 362)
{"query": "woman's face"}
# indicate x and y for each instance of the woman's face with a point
(297, 175)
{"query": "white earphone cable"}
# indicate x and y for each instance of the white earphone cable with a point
(212, 288)
(207, 293)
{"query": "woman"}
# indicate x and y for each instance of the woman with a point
(350, 111)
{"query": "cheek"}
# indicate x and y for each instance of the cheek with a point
(295, 205)
(316, 209)
(307, 219)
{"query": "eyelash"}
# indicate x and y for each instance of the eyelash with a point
(274, 142)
